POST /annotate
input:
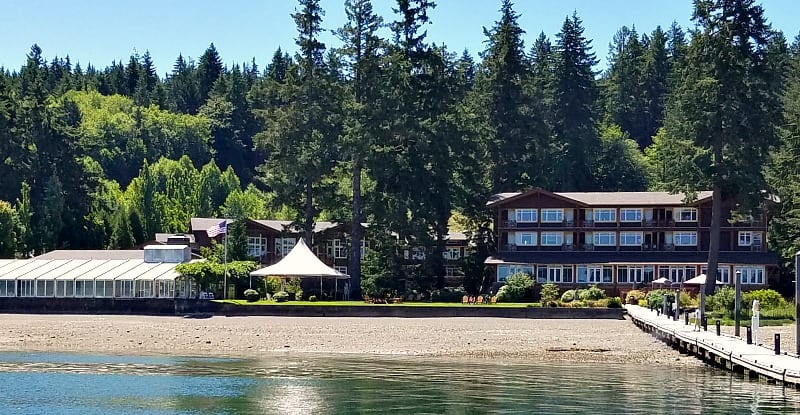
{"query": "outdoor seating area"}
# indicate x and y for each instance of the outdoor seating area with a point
(479, 299)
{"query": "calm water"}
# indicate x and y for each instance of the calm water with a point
(42, 383)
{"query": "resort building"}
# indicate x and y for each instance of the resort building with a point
(148, 273)
(270, 240)
(624, 239)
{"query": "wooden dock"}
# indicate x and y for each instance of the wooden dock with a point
(723, 351)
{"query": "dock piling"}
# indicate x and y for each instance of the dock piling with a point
(777, 343)
(718, 327)
(749, 335)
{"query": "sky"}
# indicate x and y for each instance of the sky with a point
(101, 31)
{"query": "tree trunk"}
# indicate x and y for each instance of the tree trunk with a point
(356, 234)
(713, 245)
(309, 222)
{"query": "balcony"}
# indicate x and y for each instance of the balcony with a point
(756, 247)
(568, 247)
(669, 247)
(588, 247)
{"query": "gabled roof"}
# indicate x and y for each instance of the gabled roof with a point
(201, 224)
(589, 199)
(299, 262)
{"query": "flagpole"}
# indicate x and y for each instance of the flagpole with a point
(225, 266)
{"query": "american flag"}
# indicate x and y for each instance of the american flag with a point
(220, 228)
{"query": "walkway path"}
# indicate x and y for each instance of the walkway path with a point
(725, 351)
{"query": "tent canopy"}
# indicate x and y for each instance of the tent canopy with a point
(299, 262)
(700, 280)
(662, 280)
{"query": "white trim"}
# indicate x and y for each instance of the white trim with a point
(558, 212)
(637, 215)
(677, 214)
(598, 212)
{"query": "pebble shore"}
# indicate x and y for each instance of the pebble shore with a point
(490, 339)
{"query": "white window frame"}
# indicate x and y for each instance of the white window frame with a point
(504, 271)
(605, 215)
(341, 269)
(256, 246)
(284, 245)
(745, 238)
(597, 242)
(557, 241)
(558, 215)
(678, 238)
(723, 273)
(692, 212)
(534, 238)
(339, 249)
(533, 215)
(452, 253)
(751, 275)
(625, 215)
(452, 271)
(637, 238)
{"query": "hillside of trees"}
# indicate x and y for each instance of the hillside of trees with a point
(399, 132)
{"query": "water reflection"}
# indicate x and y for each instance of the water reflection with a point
(292, 384)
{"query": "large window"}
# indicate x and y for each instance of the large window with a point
(605, 239)
(256, 246)
(605, 215)
(685, 238)
(504, 271)
(751, 275)
(630, 215)
(686, 215)
(453, 271)
(594, 274)
(284, 245)
(526, 215)
(630, 238)
(526, 238)
(552, 238)
(723, 273)
(635, 274)
(745, 238)
(556, 274)
(552, 215)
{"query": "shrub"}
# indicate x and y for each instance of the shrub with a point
(634, 296)
(722, 301)
(312, 298)
(656, 298)
(281, 297)
(568, 296)
(643, 303)
(769, 299)
(549, 292)
(592, 293)
(518, 287)
(448, 295)
(251, 295)
(552, 303)
(614, 302)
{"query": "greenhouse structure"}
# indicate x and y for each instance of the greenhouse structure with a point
(148, 273)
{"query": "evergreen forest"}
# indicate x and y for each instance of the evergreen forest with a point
(400, 133)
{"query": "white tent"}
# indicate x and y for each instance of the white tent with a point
(700, 280)
(300, 262)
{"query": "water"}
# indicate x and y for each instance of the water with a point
(44, 383)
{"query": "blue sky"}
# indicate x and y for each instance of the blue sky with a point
(100, 31)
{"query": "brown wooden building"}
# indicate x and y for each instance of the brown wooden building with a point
(622, 238)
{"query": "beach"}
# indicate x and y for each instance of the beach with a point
(611, 341)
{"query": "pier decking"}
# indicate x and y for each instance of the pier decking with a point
(724, 351)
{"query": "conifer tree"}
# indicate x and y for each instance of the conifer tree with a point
(209, 69)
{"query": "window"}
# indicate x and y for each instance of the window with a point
(541, 274)
(745, 238)
(364, 248)
(685, 238)
(756, 239)
(605, 215)
(418, 253)
(630, 238)
(526, 215)
(605, 238)
(452, 253)
(452, 271)
(343, 270)
(723, 273)
(751, 275)
(552, 238)
(526, 238)
(26, 288)
(504, 271)
(678, 274)
(594, 274)
(686, 215)
(256, 246)
(635, 274)
(339, 249)
(552, 215)
(630, 215)
(284, 245)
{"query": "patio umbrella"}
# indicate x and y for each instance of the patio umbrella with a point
(700, 280)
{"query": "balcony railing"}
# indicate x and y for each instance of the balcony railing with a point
(568, 247)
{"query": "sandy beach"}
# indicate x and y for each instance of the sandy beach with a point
(615, 341)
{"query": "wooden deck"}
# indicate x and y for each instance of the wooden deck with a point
(724, 351)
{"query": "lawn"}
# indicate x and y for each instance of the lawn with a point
(363, 304)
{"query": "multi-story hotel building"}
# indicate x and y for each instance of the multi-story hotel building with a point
(623, 239)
